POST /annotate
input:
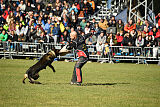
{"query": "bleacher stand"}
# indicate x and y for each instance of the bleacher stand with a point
(51, 21)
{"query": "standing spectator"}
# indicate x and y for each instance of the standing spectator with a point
(3, 38)
(100, 43)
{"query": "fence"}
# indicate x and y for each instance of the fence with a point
(109, 54)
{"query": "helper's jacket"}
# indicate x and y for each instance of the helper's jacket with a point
(79, 45)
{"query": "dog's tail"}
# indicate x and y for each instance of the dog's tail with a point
(25, 76)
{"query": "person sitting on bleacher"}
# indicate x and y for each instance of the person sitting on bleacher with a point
(3, 36)
(103, 24)
(22, 6)
(92, 39)
(129, 26)
(139, 41)
(119, 37)
(93, 22)
(86, 7)
(120, 26)
(127, 40)
(83, 24)
(20, 31)
(139, 25)
(112, 22)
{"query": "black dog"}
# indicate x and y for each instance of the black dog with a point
(46, 60)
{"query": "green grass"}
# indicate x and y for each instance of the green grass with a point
(104, 85)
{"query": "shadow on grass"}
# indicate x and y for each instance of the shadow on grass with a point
(90, 84)
(101, 84)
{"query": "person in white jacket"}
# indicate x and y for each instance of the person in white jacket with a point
(22, 6)
(101, 40)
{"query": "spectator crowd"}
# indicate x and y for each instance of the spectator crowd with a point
(34, 21)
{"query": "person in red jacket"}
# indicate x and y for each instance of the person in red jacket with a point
(158, 18)
(129, 26)
(156, 33)
(6, 13)
(119, 38)
(77, 5)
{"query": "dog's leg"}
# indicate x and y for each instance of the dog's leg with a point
(52, 67)
(25, 76)
(33, 82)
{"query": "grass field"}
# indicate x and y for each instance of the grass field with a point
(104, 85)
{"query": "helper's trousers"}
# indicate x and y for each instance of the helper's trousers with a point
(77, 73)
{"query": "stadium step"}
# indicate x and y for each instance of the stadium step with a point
(104, 12)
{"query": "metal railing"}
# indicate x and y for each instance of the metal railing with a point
(109, 53)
